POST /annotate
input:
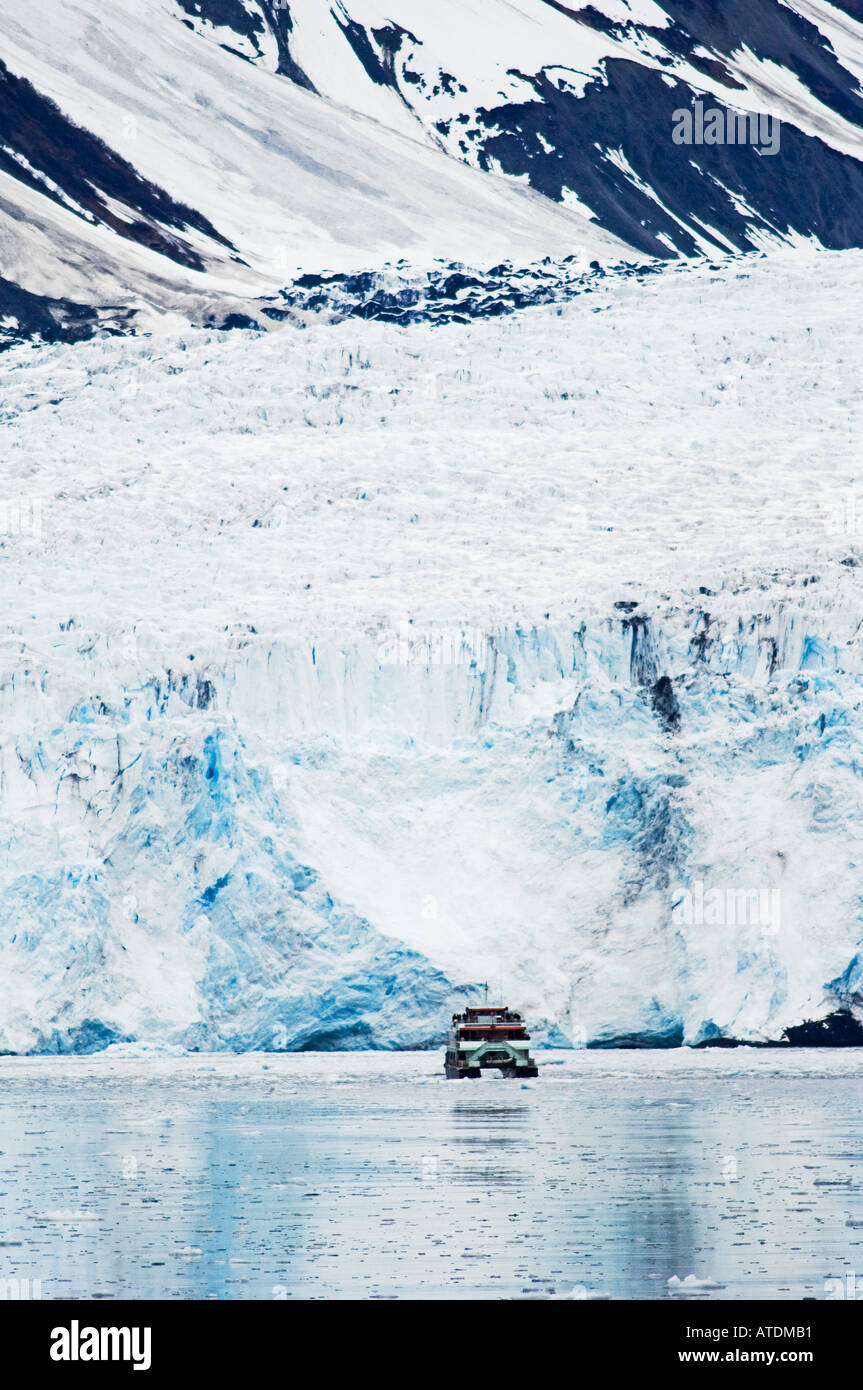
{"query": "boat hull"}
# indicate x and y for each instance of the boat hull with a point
(455, 1071)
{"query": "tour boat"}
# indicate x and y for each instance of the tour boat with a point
(488, 1036)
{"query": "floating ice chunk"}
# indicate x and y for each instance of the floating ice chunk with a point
(67, 1214)
(580, 1293)
(691, 1284)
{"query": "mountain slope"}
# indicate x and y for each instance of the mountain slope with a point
(142, 167)
(195, 158)
(579, 100)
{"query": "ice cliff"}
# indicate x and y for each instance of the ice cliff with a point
(345, 668)
(317, 847)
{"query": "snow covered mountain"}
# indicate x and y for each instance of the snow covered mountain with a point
(194, 156)
(145, 171)
(343, 669)
(578, 101)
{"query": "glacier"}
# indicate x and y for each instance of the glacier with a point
(346, 667)
(318, 849)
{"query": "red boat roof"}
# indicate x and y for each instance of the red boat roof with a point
(491, 1028)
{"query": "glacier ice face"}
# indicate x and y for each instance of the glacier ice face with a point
(171, 906)
(344, 670)
(316, 848)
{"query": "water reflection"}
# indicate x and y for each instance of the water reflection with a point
(383, 1184)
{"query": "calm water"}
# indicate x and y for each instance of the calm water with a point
(369, 1175)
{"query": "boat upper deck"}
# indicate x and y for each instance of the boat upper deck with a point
(489, 1022)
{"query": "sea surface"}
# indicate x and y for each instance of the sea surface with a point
(141, 1174)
